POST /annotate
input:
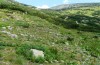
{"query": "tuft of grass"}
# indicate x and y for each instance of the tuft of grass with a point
(22, 24)
(20, 60)
(4, 24)
(50, 53)
(39, 60)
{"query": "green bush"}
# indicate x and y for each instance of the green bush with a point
(50, 53)
(72, 24)
(19, 60)
(39, 60)
(7, 44)
(4, 24)
(22, 24)
(0, 55)
(96, 13)
(2, 47)
(93, 48)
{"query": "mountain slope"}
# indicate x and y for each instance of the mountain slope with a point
(77, 5)
(23, 28)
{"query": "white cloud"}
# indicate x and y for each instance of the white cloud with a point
(43, 7)
(65, 1)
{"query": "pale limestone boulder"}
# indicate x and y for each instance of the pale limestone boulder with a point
(37, 53)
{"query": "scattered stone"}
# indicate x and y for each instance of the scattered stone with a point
(22, 34)
(62, 61)
(67, 43)
(5, 20)
(9, 27)
(46, 61)
(8, 15)
(77, 22)
(25, 12)
(66, 49)
(10, 34)
(56, 61)
(51, 61)
(4, 31)
(13, 36)
(37, 53)
(53, 43)
(4, 28)
(41, 64)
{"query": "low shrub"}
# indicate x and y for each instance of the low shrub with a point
(1, 47)
(19, 60)
(0, 55)
(4, 24)
(93, 48)
(61, 42)
(22, 24)
(50, 53)
(39, 60)
(7, 44)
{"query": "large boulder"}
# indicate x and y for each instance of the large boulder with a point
(37, 53)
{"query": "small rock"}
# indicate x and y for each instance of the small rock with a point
(51, 61)
(8, 33)
(67, 43)
(4, 20)
(56, 61)
(46, 61)
(25, 12)
(62, 61)
(4, 28)
(41, 64)
(9, 27)
(37, 53)
(13, 36)
(4, 32)
(77, 22)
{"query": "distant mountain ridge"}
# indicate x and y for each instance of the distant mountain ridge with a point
(76, 5)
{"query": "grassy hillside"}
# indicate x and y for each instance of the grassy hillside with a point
(54, 32)
(84, 18)
(72, 6)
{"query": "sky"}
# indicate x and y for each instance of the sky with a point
(44, 4)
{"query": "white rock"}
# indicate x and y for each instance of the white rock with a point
(62, 61)
(37, 53)
(22, 34)
(46, 61)
(51, 61)
(4, 20)
(9, 27)
(77, 22)
(4, 31)
(56, 61)
(13, 36)
(67, 43)
(4, 28)
(8, 33)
